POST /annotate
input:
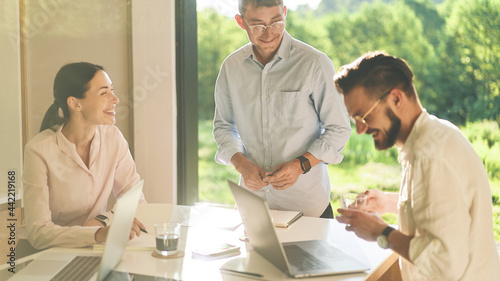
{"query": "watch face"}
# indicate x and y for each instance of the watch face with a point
(304, 163)
(307, 166)
(382, 242)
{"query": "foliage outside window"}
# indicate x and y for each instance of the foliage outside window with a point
(454, 50)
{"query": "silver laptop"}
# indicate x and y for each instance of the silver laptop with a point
(297, 259)
(54, 266)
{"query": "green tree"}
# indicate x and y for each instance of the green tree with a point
(308, 28)
(432, 22)
(394, 28)
(218, 36)
(470, 57)
(326, 6)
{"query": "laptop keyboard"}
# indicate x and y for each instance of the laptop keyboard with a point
(80, 268)
(301, 259)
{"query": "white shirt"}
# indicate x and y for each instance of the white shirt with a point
(445, 201)
(61, 193)
(279, 111)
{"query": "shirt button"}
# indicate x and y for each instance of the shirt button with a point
(265, 72)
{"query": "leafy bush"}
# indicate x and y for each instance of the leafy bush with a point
(360, 150)
(485, 138)
(363, 167)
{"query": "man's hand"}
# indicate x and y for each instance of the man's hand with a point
(251, 173)
(284, 175)
(381, 202)
(367, 226)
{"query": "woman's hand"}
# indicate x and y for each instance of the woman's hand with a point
(136, 229)
(93, 222)
(102, 233)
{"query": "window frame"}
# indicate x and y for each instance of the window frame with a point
(187, 101)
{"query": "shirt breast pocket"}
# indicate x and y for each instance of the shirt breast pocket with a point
(291, 105)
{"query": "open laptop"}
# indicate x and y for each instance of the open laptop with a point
(297, 259)
(54, 265)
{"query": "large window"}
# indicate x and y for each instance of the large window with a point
(451, 45)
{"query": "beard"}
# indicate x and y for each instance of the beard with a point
(391, 134)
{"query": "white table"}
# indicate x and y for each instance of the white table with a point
(201, 233)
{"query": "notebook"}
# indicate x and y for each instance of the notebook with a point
(48, 265)
(203, 216)
(284, 218)
(296, 259)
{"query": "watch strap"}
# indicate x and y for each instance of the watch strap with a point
(382, 239)
(387, 230)
(102, 218)
(304, 164)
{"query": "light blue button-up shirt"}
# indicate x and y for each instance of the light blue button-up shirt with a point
(279, 111)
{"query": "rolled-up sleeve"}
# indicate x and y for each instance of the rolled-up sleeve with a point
(329, 104)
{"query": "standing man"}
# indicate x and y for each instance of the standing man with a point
(444, 204)
(279, 118)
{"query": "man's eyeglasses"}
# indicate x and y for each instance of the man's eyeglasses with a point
(361, 119)
(258, 29)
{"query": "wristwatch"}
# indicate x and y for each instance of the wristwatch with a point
(304, 163)
(103, 219)
(382, 239)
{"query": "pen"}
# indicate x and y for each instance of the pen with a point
(243, 272)
(143, 230)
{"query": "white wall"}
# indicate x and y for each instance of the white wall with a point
(153, 45)
(133, 39)
(10, 104)
(64, 31)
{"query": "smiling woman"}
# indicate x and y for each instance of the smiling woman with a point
(76, 161)
(70, 81)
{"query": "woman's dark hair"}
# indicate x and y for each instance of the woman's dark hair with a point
(71, 81)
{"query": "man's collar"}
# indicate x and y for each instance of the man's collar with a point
(285, 47)
(406, 151)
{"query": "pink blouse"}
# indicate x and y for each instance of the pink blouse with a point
(61, 193)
